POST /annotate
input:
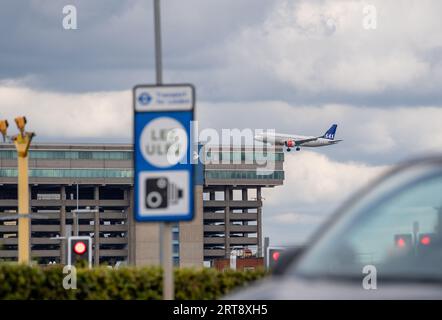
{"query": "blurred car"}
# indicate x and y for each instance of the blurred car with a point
(393, 226)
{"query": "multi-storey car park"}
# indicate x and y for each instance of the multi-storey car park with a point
(99, 178)
(232, 201)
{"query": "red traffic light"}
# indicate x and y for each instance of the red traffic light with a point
(425, 239)
(275, 255)
(403, 241)
(400, 242)
(80, 247)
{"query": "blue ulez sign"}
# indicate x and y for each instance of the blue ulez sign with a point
(164, 170)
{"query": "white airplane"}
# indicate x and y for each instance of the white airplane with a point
(295, 141)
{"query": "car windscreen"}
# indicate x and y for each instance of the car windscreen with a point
(397, 228)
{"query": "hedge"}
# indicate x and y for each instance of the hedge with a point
(23, 282)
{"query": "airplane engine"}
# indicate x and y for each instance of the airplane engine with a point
(290, 143)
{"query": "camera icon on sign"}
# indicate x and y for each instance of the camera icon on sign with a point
(161, 194)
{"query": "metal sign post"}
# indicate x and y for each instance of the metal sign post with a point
(163, 180)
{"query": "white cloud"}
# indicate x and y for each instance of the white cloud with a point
(311, 179)
(296, 218)
(304, 50)
(370, 134)
(96, 115)
(313, 188)
(320, 46)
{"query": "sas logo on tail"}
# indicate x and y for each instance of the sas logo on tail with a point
(329, 136)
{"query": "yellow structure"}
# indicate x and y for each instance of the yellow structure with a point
(22, 141)
(4, 128)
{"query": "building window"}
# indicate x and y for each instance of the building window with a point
(71, 173)
(84, 155)
(70, 155)
(244, 174)
(236, 157)
(8, 154)
(250, 156)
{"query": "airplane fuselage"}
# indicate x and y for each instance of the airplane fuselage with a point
(296, 141)
(281, 140)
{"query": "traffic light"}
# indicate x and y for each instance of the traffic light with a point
(80, 249)
(273, 256)
(425, 239)
(21, 123)
(403, 241)
(425, 243)
(4, 124)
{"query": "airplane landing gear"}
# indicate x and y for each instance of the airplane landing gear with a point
(298, 148)
(288, 149)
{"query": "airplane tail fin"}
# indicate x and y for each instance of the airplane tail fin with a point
(330, 134)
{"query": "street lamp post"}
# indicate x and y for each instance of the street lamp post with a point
(22, 142)
(74, 213)
(77, 196)
(75, 216)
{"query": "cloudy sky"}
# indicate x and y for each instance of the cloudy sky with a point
(292, 66)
